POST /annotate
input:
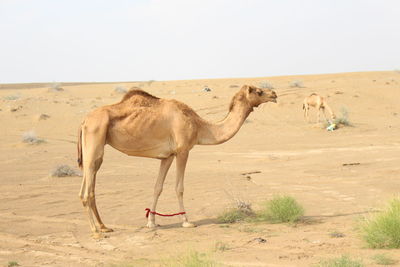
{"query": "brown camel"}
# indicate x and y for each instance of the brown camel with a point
(317, 101)
(147, 126)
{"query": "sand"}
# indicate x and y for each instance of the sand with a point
(42, 221)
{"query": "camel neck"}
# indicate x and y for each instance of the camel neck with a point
(220, 132)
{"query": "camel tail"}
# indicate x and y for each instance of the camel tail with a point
(80, 162)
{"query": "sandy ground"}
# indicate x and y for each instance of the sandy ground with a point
(42, 221)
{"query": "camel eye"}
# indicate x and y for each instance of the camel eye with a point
(260, 93)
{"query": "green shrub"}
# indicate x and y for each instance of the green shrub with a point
(383, 259)
(383, 229)
(281, 209)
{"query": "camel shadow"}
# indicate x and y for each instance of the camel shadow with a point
(317, 219)
(198, 223)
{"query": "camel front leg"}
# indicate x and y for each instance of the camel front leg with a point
(181, 160)
(164, 167)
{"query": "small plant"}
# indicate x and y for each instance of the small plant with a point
(240, 212)
(221, 246)
(233, 86)
(31, 138)
(64, 171)
(343, 261)
(344, 118)
(12, 97)
(336, 234)
(150, 82)
(191, 259)
(56, 87)
(383, 229)
(12, 263)
(383, 259)
(281, 209)
(297, 84)
(266, 85)
(232, 215)
(120, 90)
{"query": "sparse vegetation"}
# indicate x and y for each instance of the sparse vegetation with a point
(383, 230)
(150, 82)
(266, 85)
(31, 138)
(55, 87)
(12, 263)
(297, 84)
(343, 261)
(191, 259)
(233, 86)
(64, 171)
(120, 89)
(281, 209)
(12, 97)
(239, 212)
(336, 234)
(232, 215)
(383, 259)
(221, 246)
(344, 118)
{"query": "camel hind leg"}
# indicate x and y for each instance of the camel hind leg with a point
(93, 141)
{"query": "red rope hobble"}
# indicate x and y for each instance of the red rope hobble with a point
(148, 211)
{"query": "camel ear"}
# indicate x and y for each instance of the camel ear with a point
(250, 89)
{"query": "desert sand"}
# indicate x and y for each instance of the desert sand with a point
(43, 223)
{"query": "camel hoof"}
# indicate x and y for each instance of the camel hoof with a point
(106, 230)
(97, 235)
(152, 225)
(188, 225)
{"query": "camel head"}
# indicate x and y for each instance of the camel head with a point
(256, 96)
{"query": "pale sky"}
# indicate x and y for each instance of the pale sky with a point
(121, 40)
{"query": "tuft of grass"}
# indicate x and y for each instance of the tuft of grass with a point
(266, 85)
(296, 84)
(281, 209)
(383, 229)
(120, 90)
(31, 138)
(383, 259)
(240, 212)
(221, 246)
(191, 259)
(343, 261)
(12, 97)
(12, 263)
(55, 87)
(232, 215)
(64, 171)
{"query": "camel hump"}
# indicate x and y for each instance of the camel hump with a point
(135, 91)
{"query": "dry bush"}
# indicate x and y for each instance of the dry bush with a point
(120, 89)
(64, 171)
(297, 84)
(266, 85)
(31, 138)
(55, 87)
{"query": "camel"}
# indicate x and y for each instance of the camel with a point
(147, 126)
(317, 101)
